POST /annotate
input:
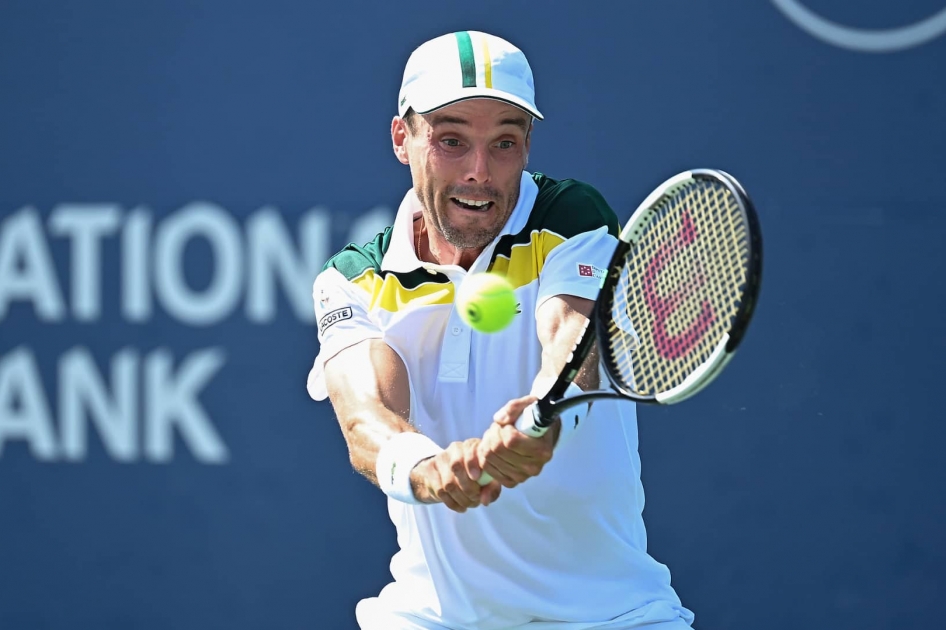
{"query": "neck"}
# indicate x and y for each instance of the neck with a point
(431, 247)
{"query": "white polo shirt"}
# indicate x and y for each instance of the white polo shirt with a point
(567, 545)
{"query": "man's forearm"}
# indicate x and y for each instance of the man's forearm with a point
(561, 330)
(369, 389)
(365, 439)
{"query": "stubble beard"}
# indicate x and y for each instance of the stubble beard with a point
(469, 237)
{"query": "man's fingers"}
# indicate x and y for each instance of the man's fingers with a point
(510, 412)
(454, 497)
(525, 446)
(508, 455)
(508, 469)
(461, 482)
(439, 489)
(472, 460)
(511, 457)
(451, 477)
(490, 492)
(500, 438)
(454, 485)
(507, 476)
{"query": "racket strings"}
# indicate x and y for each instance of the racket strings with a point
(680, 288)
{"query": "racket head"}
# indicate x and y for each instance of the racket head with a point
(681, 288)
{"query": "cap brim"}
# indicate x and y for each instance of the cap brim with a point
(431, 104)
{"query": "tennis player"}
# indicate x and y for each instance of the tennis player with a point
(427, 405)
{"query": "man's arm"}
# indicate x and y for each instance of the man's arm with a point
(370, 392)
(505, 453)
(560, 321)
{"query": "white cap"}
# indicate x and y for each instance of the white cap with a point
(466, 65)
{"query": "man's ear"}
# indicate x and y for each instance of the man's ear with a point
(399, 137)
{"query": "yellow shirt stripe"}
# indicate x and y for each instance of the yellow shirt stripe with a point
(389, 294)
(526, 260)
(521, 268)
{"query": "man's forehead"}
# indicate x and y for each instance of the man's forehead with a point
(478, 110)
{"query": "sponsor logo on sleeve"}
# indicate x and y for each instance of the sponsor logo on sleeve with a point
(333, 317)
(590, 271)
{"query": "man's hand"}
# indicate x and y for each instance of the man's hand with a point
(450, 478)
(509, 456)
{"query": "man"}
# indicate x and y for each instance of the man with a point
(426, 405)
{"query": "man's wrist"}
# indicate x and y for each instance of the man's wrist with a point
(419, 486)
(396, 461)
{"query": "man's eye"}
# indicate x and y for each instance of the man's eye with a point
(451, 142)
(506, 144)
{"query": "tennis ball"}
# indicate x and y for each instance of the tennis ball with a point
(486, 302)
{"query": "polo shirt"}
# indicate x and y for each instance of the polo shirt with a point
(566, 545)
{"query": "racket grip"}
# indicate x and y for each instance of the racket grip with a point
(527, 424)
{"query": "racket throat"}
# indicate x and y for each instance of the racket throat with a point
(547, 413)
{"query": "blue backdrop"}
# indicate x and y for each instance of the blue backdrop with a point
(172, 175)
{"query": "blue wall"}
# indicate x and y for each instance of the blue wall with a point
(160, 463)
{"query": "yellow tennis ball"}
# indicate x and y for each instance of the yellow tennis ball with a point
(486, 302)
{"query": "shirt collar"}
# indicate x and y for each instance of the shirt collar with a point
(402, 256)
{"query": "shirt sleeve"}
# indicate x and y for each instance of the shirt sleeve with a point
(577, 265)
(341, 312)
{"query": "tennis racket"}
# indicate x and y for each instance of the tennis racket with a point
(676, 300)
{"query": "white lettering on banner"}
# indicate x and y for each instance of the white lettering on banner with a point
(271, 255)
(84, 400)
(136, 298)
(85, 225)
(142, 404)
(24, 412)
(216, 302)
(169, 398)
(26, 267)
(250, 263)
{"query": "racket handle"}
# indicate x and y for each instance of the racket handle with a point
(526, 424)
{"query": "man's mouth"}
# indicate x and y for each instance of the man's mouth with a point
(472, 204)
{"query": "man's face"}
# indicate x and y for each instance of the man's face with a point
(466, 162)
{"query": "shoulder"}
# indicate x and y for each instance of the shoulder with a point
(356, 272)
(354, 260)
(570, 207)
(564, 211)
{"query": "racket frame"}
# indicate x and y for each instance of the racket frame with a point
(552, 405)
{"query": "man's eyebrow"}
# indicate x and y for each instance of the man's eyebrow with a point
(522, 123)
(444, 119)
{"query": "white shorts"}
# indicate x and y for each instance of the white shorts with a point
(371, 615)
